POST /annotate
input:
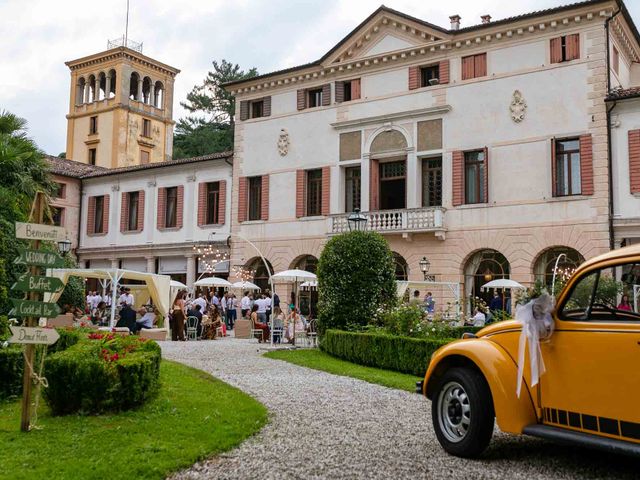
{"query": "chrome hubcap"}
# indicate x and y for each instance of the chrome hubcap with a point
(454, 412)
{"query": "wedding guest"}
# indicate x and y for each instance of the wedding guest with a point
(257, 324)
(624, 303)
(178, 318)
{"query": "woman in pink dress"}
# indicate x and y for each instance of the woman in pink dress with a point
(624, 303)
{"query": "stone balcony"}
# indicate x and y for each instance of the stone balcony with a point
(404, 221)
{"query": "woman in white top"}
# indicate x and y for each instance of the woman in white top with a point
(479, 318)
(294, 324)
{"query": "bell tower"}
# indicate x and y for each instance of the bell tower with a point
(120, 108)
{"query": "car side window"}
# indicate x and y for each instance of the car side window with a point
(600, 296)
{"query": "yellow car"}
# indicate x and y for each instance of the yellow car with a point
(590, 392)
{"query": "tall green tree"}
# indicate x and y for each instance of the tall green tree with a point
(210, 127)
(24, 172)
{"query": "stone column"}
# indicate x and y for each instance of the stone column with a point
(151, 93)
(115, 263)
(107, 86)
(413, 175)
(365, 176)
(96, 88)
(85, 93)
(151, 264)
(191, 270)
(140, 99)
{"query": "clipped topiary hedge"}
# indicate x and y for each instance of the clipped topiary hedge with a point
(390, 352)
(105, 373)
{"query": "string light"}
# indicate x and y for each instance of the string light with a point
(210, 256)
(244, 273)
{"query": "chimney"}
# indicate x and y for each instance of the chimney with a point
(486, 19)
(455, 22)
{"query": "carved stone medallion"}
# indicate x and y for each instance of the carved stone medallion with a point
(518, 107)
(283, 142)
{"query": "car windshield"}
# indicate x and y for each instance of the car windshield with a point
(605, 295)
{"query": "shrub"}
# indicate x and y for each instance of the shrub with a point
(105, 373)
(356, 280)
(11, 368)
(4, 328)
(390, 352)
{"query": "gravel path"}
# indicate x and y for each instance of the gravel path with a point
(326, 426)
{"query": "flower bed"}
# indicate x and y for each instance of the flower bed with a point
(105, 372)
(390, 352)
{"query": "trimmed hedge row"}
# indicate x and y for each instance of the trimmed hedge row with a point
(390, 352)
(12, 360)
(99, 375)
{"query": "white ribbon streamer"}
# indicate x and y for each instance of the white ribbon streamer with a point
(537, 324)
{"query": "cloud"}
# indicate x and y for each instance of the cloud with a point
(34, 82)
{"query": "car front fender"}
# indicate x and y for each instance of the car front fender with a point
(499, 370)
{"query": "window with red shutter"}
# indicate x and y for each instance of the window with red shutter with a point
(374, 185)
(212, 202)
(567, 169)
(242, 199)
(458, 178)
(264, 198)
(222, 202)
(475, 176)
(255, 198)
(634, 160)
(414, 78)
(326, 185)
(300, 193)
(565, 48)
(474, 66)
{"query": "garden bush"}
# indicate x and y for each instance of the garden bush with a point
(356, 280)
(390, 352)
(11, 367)
(105, 373)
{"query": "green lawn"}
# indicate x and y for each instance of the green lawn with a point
(319, 360)
(193, 417)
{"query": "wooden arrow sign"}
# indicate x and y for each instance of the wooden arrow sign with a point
(29, 308)
(37, 231)
(35, 283)
(39, 258)
(42, 336)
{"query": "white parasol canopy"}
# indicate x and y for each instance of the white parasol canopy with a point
(502, 283)
(294, 276)
(245, 286)
(309, 284)
(212, 282)
(177, 284)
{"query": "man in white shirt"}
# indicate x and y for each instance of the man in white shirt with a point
(107, 299)
(95, 300)
(223, 308)
(202, 302)
(267, 300)
(126, 298)
(245, 305)
(262, 309)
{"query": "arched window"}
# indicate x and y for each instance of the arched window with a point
(402, 268)
(483, 267)
(261, 275)
(133, 86)
(102, 86)
(146, 90)
(92, 88)
(80, 91)
(158, 99)
(545, 264)
(308, 263)
(112, 84)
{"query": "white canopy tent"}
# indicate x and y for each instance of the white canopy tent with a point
(176, 286)
(296, 277)
(212, 282)
(454, 288)
(157, 286)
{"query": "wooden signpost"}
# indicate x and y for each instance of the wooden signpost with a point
(32, 308)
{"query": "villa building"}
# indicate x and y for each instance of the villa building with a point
(483, 149)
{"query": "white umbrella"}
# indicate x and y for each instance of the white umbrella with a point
(502, 283)
(177, 284)
(245, 285)
(310, 284)
(294, 276)
(212, 282)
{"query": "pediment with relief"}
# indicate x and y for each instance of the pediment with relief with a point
(385, 31)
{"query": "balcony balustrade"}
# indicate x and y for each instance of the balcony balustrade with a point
(413, 220)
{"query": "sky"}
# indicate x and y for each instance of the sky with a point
(38, 36)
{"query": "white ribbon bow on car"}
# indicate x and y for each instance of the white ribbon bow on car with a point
(537, 324)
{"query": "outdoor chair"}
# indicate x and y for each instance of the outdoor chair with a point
(312, 333)
(255, 331)
(192, 328)
(300, 337)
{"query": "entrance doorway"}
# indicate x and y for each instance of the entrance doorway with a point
(393, 185)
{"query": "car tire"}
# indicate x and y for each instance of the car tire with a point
(462, 412)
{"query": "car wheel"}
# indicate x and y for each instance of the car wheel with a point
(462, 411)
